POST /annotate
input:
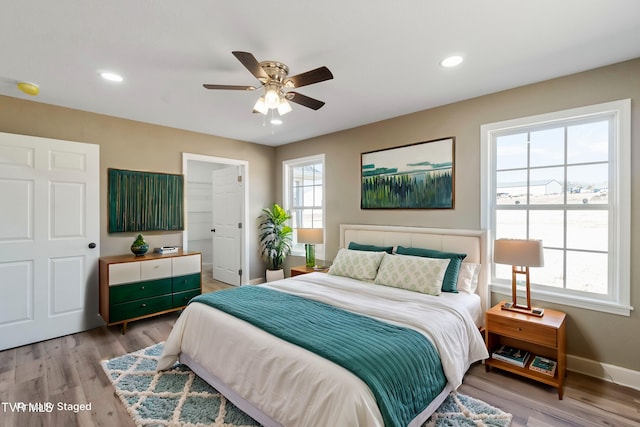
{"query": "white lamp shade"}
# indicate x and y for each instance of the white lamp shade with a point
(271, 99)
(310, 235)
(260, 106)
(523, 253)
(284, 107)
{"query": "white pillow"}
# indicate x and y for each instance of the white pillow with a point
(361, 265)
(412, 273)
(468, 277)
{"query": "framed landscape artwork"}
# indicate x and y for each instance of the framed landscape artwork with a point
(414, 176)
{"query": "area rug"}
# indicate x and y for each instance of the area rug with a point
(179, 398)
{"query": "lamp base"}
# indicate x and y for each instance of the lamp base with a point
(310, 255)
(533, 311)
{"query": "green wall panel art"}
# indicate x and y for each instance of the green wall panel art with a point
(145, 201)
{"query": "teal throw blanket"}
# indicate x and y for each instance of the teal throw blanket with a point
(401, 367)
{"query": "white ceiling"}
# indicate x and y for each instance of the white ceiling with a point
(384, 55)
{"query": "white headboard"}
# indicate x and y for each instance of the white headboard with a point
(471, 242)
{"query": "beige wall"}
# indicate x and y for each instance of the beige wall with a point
(127, 144)
(133, 145)
(593, 335)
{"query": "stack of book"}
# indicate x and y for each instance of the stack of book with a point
(511, 355)
(167, 250)
(544, 365)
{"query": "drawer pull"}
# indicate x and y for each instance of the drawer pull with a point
(143, 305)
(519, 329)
(142, 288)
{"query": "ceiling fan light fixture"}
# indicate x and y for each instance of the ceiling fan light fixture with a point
(283, 106)
(271, 99)
(276, 121)
(261, 106)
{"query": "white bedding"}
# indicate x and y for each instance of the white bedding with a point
(295, 387)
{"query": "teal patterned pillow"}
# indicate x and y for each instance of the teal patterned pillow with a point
(361, 265)
(412, 273)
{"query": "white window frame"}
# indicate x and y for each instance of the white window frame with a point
(618, 300)
(298, 249)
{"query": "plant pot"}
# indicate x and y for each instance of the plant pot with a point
(273, 275)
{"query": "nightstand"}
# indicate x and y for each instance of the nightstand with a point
(541, 336)
(302, 269)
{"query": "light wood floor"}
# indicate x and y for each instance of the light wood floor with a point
(67, 370)
(209, 284)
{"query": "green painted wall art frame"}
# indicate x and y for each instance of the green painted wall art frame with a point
(413, 176)
(145, 201)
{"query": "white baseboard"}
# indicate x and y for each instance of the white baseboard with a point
(612, 373)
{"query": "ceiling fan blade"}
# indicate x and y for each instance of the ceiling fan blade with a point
(229, 87)
(310, 77)
(308, 102)
(251, 63)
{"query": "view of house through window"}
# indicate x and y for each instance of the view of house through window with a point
(304, 196)
(555, 181)
(552, 184)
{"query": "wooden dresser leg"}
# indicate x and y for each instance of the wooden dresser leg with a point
(123, 328)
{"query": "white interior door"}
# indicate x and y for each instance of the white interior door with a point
(49, 236)
(227, 197)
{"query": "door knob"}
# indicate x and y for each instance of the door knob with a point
(213, 230)
(92, 245)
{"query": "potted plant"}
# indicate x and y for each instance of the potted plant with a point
(276, 239)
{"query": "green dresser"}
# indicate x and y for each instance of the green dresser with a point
(133, 288)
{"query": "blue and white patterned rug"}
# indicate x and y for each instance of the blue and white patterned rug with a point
(179, 398)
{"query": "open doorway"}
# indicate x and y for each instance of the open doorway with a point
(216, 197)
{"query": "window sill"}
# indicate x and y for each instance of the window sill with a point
(572, 301)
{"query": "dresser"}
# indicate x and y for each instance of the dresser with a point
(135, 287)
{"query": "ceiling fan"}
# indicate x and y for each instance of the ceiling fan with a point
(273, 76)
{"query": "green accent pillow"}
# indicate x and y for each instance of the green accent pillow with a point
(360, 247)
(450, 282)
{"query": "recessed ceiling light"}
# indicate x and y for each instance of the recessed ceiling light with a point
(112, 77)
(452, 61)
(276, 122)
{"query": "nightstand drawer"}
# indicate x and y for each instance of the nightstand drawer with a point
(130, 310)
(528, 331)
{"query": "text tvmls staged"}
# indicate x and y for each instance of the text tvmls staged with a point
(45, 407)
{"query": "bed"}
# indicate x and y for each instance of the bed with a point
(279, 382)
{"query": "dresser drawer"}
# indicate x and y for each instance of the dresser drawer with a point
(129, 310)
(181, 299)
(125, 272)
(186, 283)
(155, 269)
(135, 291)
(527, 331)
(188, 264)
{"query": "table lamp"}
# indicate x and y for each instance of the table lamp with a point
(310, 237)
(520, 254)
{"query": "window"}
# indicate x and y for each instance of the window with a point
(564, 178)
(304, 196)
